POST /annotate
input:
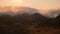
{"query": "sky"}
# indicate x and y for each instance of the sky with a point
(38, 4)
(42, 5)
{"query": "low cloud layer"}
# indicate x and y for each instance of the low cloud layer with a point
(30, 11)
(22, 10)
(53, 13)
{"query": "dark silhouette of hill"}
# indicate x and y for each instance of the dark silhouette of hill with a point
(54, 22)
(29, 19)
(17, 23)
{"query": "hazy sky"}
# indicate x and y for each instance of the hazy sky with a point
(39, 4)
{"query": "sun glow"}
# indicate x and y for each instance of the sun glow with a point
(16, 2)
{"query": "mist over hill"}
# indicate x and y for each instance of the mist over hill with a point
(29, 14)
(18, 22)
(10, 10)
(21, 10)
(25, 14)
(53, 13)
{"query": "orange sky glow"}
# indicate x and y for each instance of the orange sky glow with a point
(39, 4)
(43, 5)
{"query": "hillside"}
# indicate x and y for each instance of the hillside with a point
(27, 21)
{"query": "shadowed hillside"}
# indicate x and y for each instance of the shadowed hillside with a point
(27, 23)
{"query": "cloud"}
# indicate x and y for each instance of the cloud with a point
(27, 10)
(53, 13)
(21, 10)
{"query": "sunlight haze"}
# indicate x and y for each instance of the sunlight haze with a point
(38, 4)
